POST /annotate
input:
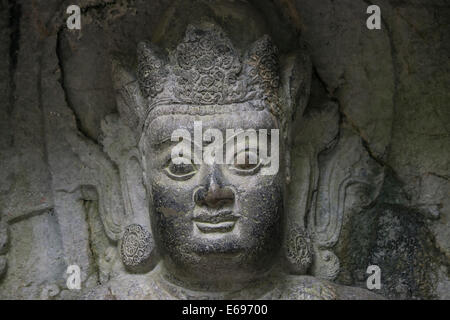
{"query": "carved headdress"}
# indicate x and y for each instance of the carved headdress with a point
(204, 69)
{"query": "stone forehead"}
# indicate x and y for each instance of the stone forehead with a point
(203, 110)
(165, 123)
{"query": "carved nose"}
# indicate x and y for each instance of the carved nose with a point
(215, 195)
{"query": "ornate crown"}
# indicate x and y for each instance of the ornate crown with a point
(205, 69)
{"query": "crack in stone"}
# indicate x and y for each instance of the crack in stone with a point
(395, 73)
(15, 15)
(343, 116)
(87, 204)
(64, 88)
(39, 210)
(445, 177)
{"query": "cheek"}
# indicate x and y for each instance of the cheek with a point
(261, 201)
(169, 196)
(171, 202)
(171, 216)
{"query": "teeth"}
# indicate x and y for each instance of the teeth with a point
(222, 227)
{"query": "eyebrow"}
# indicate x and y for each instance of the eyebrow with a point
(163, 132)
(167, 140)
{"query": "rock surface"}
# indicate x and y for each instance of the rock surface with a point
(379, 107)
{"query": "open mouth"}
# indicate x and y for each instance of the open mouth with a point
(220, 223)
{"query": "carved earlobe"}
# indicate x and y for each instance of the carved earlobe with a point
(298, 249)
(137, 249)
(137, 245)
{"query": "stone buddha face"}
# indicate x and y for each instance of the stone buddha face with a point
(214, 221)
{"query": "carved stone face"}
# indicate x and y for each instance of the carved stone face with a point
(213, 221)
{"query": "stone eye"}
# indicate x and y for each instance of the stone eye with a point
(246, 162)
(181, 171)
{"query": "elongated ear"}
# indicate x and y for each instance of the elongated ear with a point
(295, 84)
(133, 94)
(315, 131)
(295, 81)
(133, 188)
(137, 247)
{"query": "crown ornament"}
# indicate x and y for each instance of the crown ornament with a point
(205, 69)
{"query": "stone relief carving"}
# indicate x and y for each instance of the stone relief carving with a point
(298, 249)
(76, 178)
(350, 180)
(205, 70)
(136, 248)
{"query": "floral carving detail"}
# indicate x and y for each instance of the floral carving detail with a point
(137, 246)
(264, 61)
(151, 71)
(205, 68)
(208, 60)
(264, 70)
(298, 249)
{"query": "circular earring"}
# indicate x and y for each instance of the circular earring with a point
(298, 249)
(137, 249)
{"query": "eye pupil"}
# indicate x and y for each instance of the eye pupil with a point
(181, 168)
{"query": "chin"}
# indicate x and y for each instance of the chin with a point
(231, 256)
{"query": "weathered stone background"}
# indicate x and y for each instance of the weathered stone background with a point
(392, 91)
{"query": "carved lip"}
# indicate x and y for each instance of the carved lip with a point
(221, 222)
(221, 227)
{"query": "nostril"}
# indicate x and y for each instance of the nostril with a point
(200, 195)
(214, 197)
(219, 197)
